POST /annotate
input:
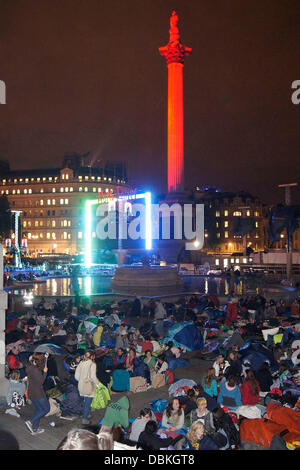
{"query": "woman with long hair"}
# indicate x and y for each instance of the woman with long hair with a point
(87, 379)
(209, 383)
(36, 372)
(173, 415)
(198, 439)
(250, 389)
(82, 439)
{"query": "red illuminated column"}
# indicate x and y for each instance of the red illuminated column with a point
(175, 53)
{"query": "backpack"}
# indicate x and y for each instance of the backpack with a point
(169, 376)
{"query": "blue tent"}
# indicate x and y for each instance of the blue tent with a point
(256, 354)
(185, 335)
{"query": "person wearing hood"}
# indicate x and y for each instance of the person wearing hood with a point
(117, 414)
(122, 340)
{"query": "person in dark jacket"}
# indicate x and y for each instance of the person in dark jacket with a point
(37, 373)
(235, 367)
(264, 377)
(149, 440)
(72, 405)
(223, 421)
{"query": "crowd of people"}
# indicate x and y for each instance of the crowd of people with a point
(91, 352)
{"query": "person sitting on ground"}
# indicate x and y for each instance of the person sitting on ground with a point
(150, 360)
(211, 402)
(209, 383)
(139, 424)
(14, 363)
(203, 415)
(230, 394)
(149, 440)
(173, 415)
(120, 358)
(223, 421)
(198, 439)
(264, 377)
(189, 403)
(129, 360)
(15, 394)
(220, 365)
(122, 340)
(250, 389)
(161, 365)
(235, 367)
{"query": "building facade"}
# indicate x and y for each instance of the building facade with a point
(229, 215)
(52, 201)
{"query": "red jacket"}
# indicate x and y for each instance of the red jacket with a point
(247, 396)
(232, 312)
(13, 362)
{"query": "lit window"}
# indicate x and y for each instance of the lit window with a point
(25, 191)
(13, 191)
(61, 190)
(256, 213)
(217, 224)
(71, 189)
(94, 190)
(256, 224)
(53, 223)
(217, 262)
(80, 188)
(237, 213)
(38, 179)
(69, 236)
(67, 176)
(63, 176)
(41, 235)
(99, 178)
(106, 190)
(217, 213)
(80, 235)
(226, 223)
(65, 223)
(226, 234)
(99, 190)
(24, 223)
(80, 178)
(218, 235)
(7, 192)
(41, 191)
(69, 223)
(232, 260)
(26, 180)
(86, 178)
(61, 201)
(41, 202)
(248, 213)
(67, 190)
(29, 235)
(30, 191)
(41, 223)
(53, 236)
(53, 202)
(44, 178)
(49, 202)
(50, 178)
(18, 191)
(65, 235)
(53, 190)
(36, 223)
(86, 188)
(237, 261)
(66, 201)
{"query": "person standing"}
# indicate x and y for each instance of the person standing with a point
(36, 373)
(87, 379)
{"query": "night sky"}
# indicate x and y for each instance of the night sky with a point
(86, 75)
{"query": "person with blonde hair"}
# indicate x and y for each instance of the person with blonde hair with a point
(198, 439)
(87, 379)
(203, 415)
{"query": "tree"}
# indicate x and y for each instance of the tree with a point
(211, 242)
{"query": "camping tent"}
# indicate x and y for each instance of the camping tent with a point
(185, 335)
